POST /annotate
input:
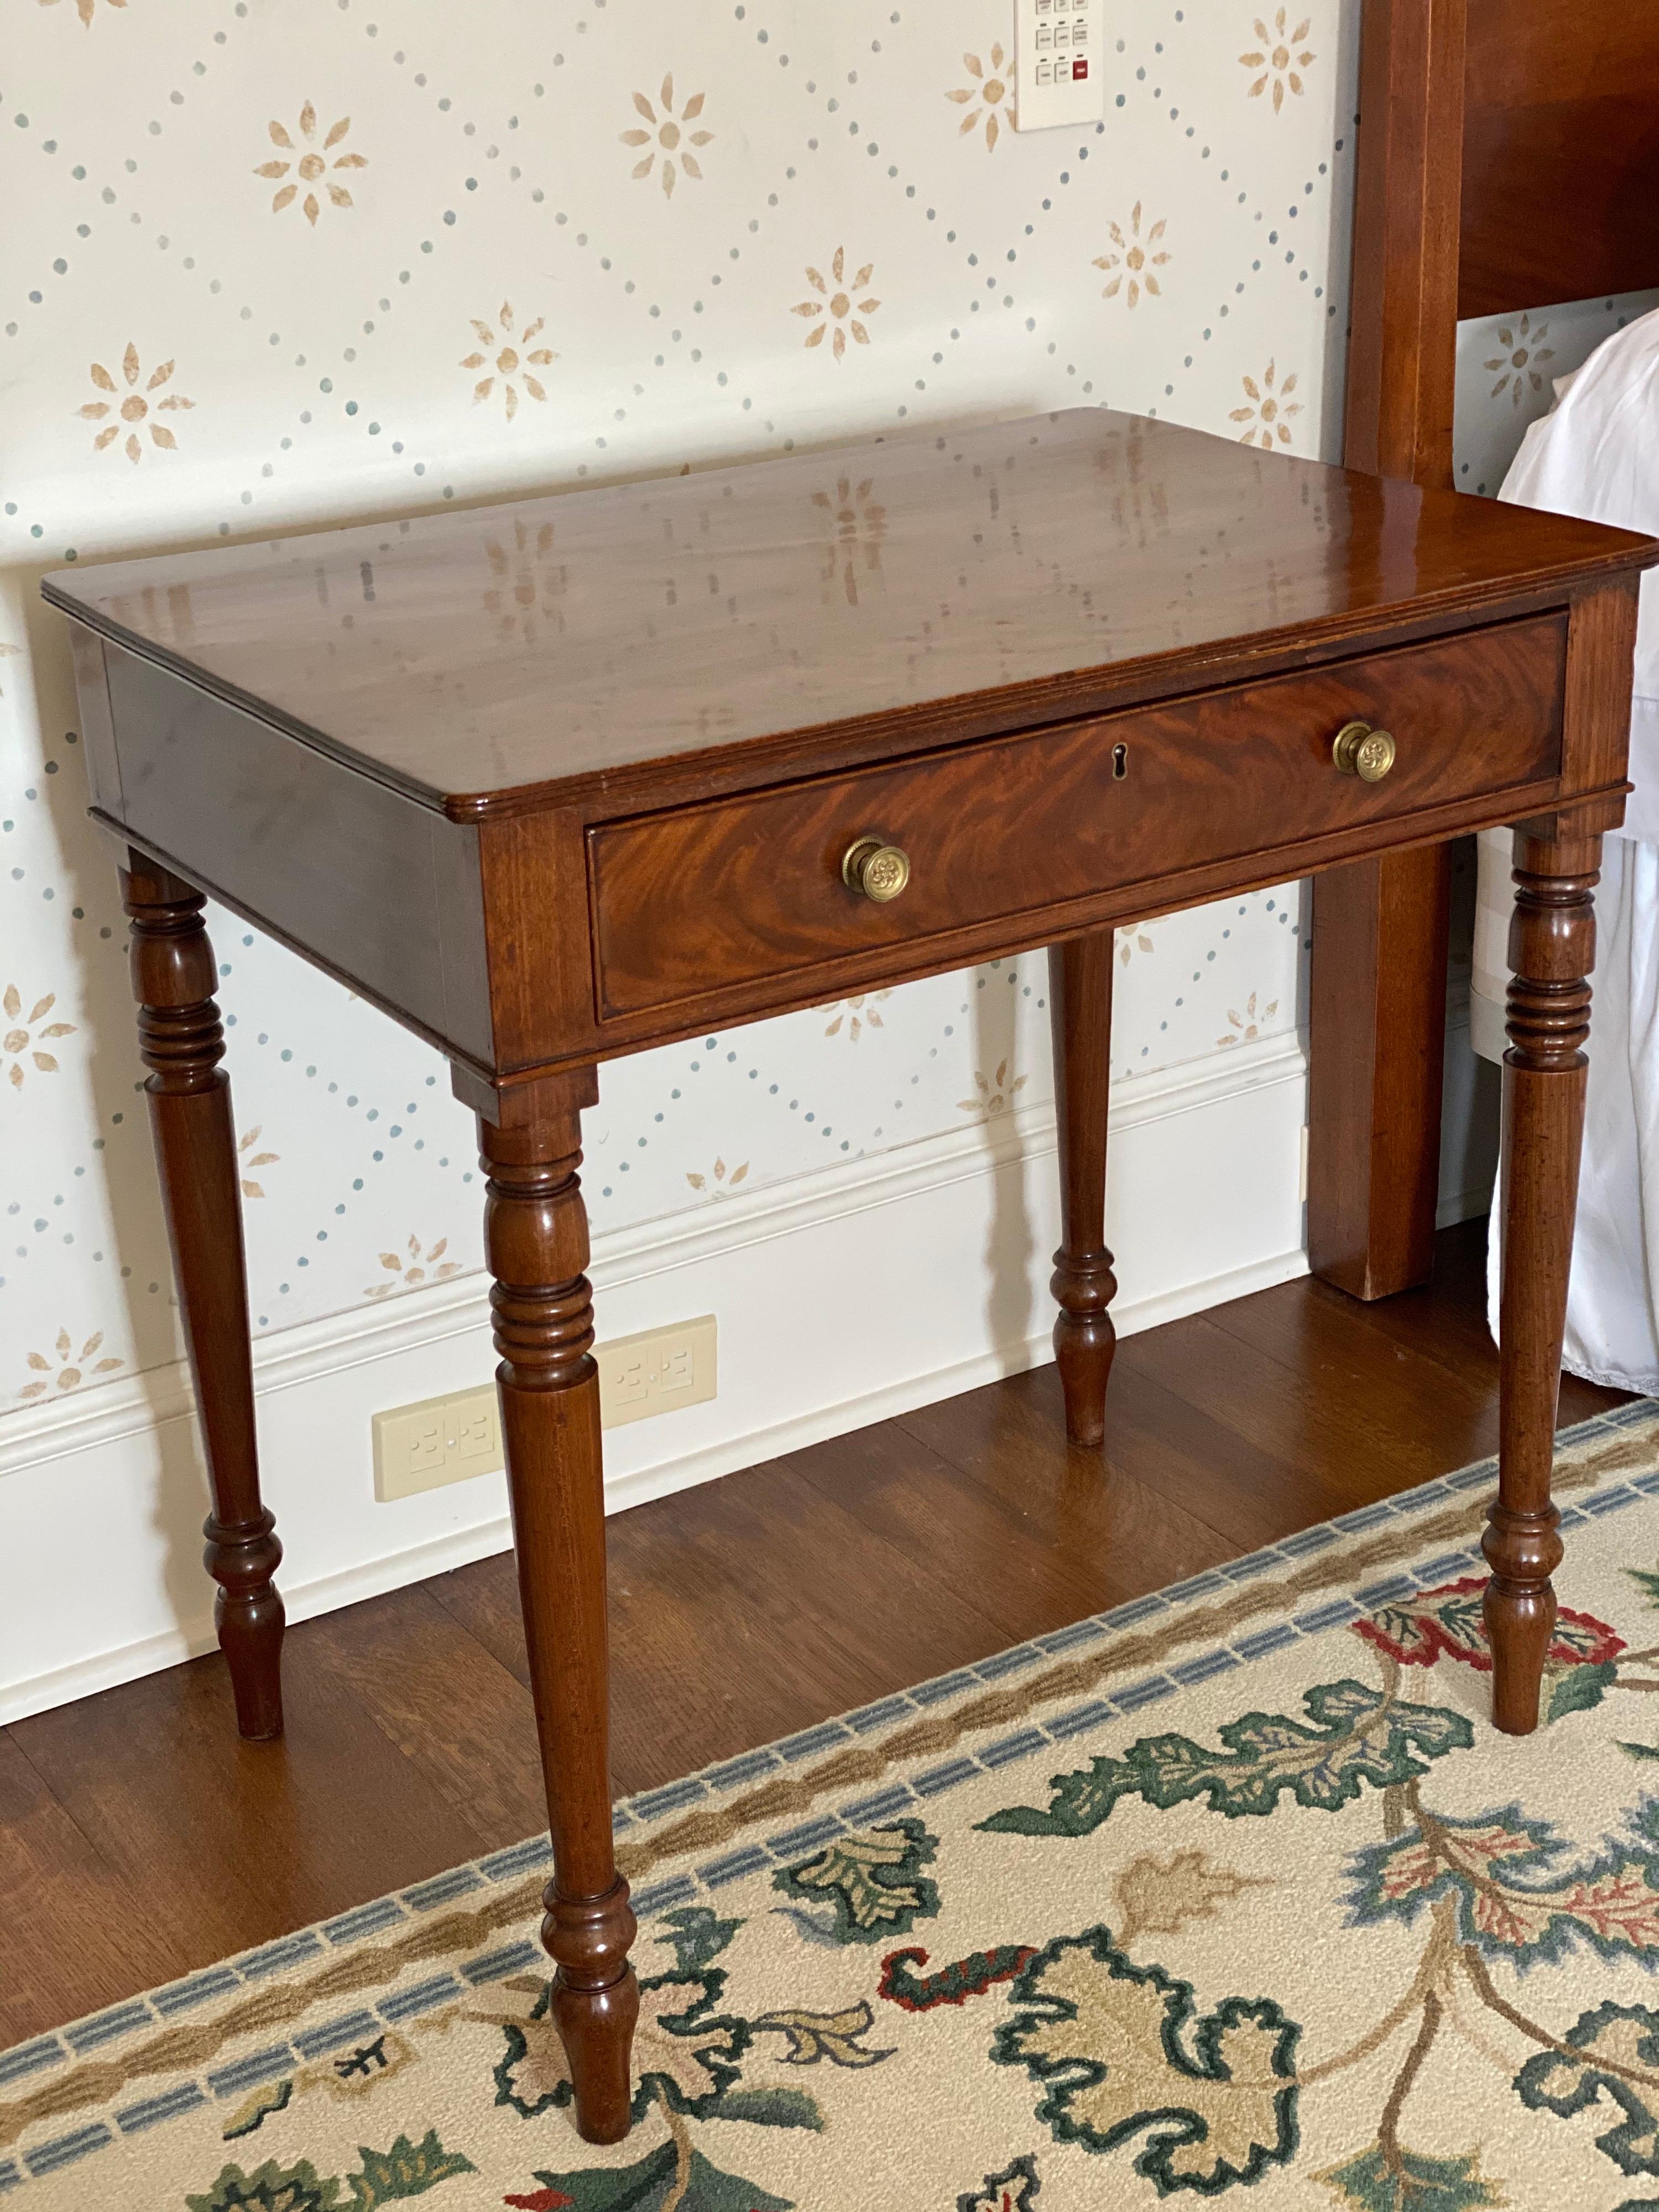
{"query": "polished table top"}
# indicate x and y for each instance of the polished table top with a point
(1041, 568)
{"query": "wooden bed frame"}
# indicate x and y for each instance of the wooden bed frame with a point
(1507, 158)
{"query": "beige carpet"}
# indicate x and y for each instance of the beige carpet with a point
(1235, 1890)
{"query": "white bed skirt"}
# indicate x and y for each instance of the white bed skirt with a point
(1613, 1301)
(1596, 454)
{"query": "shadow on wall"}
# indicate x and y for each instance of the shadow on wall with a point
(87, 877)
(1338, 251)
(1009, 1248)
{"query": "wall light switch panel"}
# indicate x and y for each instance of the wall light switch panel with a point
(442, 1440)
(1058, 67)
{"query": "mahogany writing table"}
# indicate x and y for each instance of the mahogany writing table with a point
(730, 745)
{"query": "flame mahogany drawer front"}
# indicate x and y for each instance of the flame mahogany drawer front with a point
(691, 901)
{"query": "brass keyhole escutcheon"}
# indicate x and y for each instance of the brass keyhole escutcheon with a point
(1358, 750)
(878, 872)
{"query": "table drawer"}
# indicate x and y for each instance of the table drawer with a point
(735, 890)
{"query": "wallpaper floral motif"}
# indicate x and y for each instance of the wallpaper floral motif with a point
(138, 406)
(275, 264)
(308, 172)
(1133, 269)
(1280, 56)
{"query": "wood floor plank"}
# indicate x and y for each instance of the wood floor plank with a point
(714, 1650)
(1070, 1535)
(1445, 1322)
(1408, 1399)
(1417, 1389)
(1446, 1318)
(1198, 1464)
(459, 1717)
(873, 1622)
(689, 1641)
(1362, 1444)
(1581, 1400)
(75, 1932)
(484, 1597)
(229, 1843)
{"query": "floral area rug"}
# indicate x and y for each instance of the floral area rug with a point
(1235, 1889)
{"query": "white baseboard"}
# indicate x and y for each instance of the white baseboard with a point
(843, 1297)
(396, 1570)
(134, 1405)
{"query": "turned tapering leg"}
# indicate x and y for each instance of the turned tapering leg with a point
(536, 1242)
(1552, 951)
(1080, 1012)
(182, 1043)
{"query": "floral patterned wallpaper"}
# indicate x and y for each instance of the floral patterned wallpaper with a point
(270, 264)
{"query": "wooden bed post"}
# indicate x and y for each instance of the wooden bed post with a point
(1403, 355)
(1377, 1016)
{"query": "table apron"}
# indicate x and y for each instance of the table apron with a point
(1021, 837)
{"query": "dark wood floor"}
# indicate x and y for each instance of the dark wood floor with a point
(139, 1838)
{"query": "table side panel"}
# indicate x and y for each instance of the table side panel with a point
(721, 895)
(97, 725)
(382, 890)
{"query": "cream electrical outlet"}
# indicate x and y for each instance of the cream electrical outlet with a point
(440, 1440)
(657, 1371)
(1057, 69)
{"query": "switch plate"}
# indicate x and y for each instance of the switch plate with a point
(443, 1440)
(1057, 64)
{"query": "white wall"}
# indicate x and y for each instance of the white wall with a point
(326, 369)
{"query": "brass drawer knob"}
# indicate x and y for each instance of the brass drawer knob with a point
(1358, 750)
(880, 872)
